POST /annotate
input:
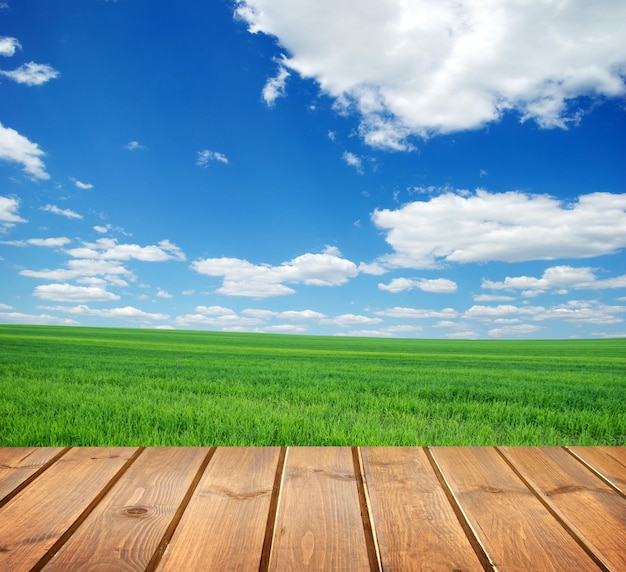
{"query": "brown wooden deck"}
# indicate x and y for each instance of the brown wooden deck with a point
(352, 509)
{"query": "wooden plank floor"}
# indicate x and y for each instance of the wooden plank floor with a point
(313, 508)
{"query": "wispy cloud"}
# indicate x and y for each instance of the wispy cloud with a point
(133, 146)
(8, 211)
(17, 148)
(83, 186)
(354, 161)
(205, 157)
(62, 212)
(275, 86)
(436, 285)
(32, 74)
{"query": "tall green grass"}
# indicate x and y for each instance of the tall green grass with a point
(97, 386)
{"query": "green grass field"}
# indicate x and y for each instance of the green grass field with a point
(96, 386)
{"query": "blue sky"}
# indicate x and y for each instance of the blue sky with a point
(381, 168)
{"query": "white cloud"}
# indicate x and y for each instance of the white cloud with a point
(228, 321)
(80, 269)
(71, 293)
(509, 227)
(125, 312)
(32, 74)
(574, 311)
(557, 278)
(109, 249)
(351, 320)
(5, 307)
(242, 278)
(417, 313)
(8, 46)
(81, 185)
(214, 311)
(62, 212)
(206, 156)
(285, 329)
(41, 319)
(520, 330)
(354, 161)
(133, 146)
(437, 285)
(275, 86)
(8, 211)
(492, 298)
(438, 66)
(163, 294)
(46, 242)
(17, 148)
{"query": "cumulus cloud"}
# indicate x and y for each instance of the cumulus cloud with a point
(352, 320)
(17, 148)
(508, 227)
(205, 157)
(8, 46)
(32, 74)
(557, 278)
(163, 294)
(574, 311)
(39, 319)
(437, 285)
(518, 330)
(275, 86)
(438, 66)
(82, 269)
(418, 313)
(71, 293)
(8, 211)
(110, 249)
(125, 312)
(61, 212)
(242, 278)
(46, 242)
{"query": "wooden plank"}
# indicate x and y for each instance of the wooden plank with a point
(570, 489)
(39, 515)
(319, 524)
(224, 525)
(125, 530)
(416, 526)
(610, 462)
(19, 464)
(515, 529)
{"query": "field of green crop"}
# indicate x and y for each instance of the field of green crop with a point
(97, 386)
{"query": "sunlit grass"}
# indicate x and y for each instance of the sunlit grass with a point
(89, 386)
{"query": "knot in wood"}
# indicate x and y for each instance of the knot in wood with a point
(135, 510)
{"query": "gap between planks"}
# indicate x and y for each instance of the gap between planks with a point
(368, 523)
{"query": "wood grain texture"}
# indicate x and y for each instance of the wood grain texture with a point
(609, 462)
(38, 516)
(224, 524)
(569, 489)
(125, 529)
(515, 529)
(416, 526)
(319, 524)
(18, 464)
